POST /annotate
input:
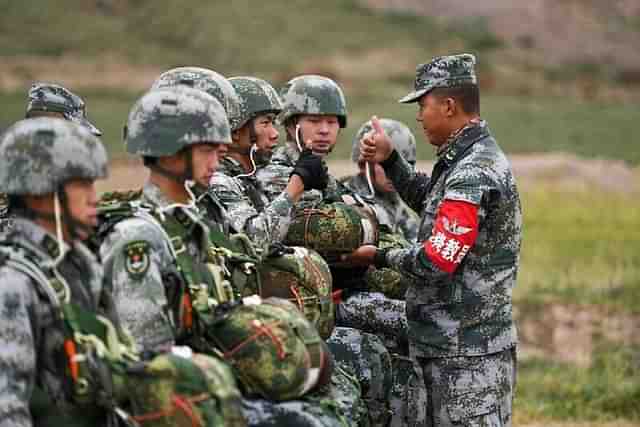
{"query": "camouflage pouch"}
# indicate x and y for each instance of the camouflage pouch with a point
(333, 229)
(301, 276)
(386, 280)
(173, 391)
(275, 352)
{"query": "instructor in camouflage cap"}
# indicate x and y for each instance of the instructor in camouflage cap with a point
(465, 263)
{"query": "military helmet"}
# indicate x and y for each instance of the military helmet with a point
(400, 135)
(49, 97)
(39, 155)
(256, 97)
(311, 94)
(206, 80)
(164, 121)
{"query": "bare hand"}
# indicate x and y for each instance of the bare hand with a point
(376, 146)
(362, 256)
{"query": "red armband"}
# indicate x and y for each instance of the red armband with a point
(454, 233)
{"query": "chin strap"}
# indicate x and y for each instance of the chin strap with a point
(254, 168)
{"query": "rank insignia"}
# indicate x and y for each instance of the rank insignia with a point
(137, 258)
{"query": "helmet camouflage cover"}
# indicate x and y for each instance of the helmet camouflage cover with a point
(39, 155)
(164, 121)
(213, 83)
(49, 97)
(400, 135)
(311, 94)
(256, 97)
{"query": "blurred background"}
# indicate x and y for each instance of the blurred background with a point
(560, 83)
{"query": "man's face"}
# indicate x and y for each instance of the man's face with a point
(433, 114)
(321, 130)
(205, 160)
(82, 200)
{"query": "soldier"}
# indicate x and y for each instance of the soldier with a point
(392, 210)
(177, 275)
(52, 100)
(314, 111)
(465, 263)
(65, 358)
(49, 99)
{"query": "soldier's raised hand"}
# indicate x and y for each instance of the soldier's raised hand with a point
(312, 170)
(375, 146)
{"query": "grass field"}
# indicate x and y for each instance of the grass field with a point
(581, 248)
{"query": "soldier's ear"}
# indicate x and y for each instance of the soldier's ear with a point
(451, 106)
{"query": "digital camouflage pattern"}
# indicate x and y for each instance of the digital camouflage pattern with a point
(470, 312)
(177, 391)
(50, 97)
(31, 337)
(268, 359)
(207, 81)
(332, 229)
(400, 135)
(164, 121)
(364, 355)
(443, 71)
(311, 94)
(4, 207)
(266, 222)
(301, 276)
(41, 154)
(391, 211)
(256, 97)
(337, 404)
(476, 390)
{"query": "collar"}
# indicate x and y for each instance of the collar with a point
(27, 231)
(286, 154)
(462, 139)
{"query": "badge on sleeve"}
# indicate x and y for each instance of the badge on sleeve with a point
(136, 258)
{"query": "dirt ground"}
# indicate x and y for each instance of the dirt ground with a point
(563, 170)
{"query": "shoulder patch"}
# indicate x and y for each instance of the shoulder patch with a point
(136, 258)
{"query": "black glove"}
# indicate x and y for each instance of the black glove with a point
(312, 170)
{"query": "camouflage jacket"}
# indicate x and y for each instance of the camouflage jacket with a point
(31, 337)
(468, 312)
(248, 209)
(138, 257)
(391, 210)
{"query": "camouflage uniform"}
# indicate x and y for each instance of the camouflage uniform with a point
(140, 257)
(47, 98)
(390, 208)
(31, 337)
(373, 368)
(461, 328)
(266, 222)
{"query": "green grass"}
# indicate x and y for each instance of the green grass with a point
(607, 390)
(580, 247)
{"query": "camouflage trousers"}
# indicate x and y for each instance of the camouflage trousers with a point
(470, 391)
(365, 356)
(385, 317)
(337, 404)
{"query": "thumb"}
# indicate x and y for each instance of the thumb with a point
(375, 122)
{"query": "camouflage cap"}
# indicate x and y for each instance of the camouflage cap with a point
(39, 155)
(400, 135)
(213, 83)
(51, 97)
(164, 121)
(311, 94)
(256, 97)
(443, 71)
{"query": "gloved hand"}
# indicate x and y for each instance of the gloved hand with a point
(312, 170)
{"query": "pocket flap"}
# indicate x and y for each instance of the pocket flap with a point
(472, 404)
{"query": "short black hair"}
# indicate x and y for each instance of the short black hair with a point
(467, 96)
